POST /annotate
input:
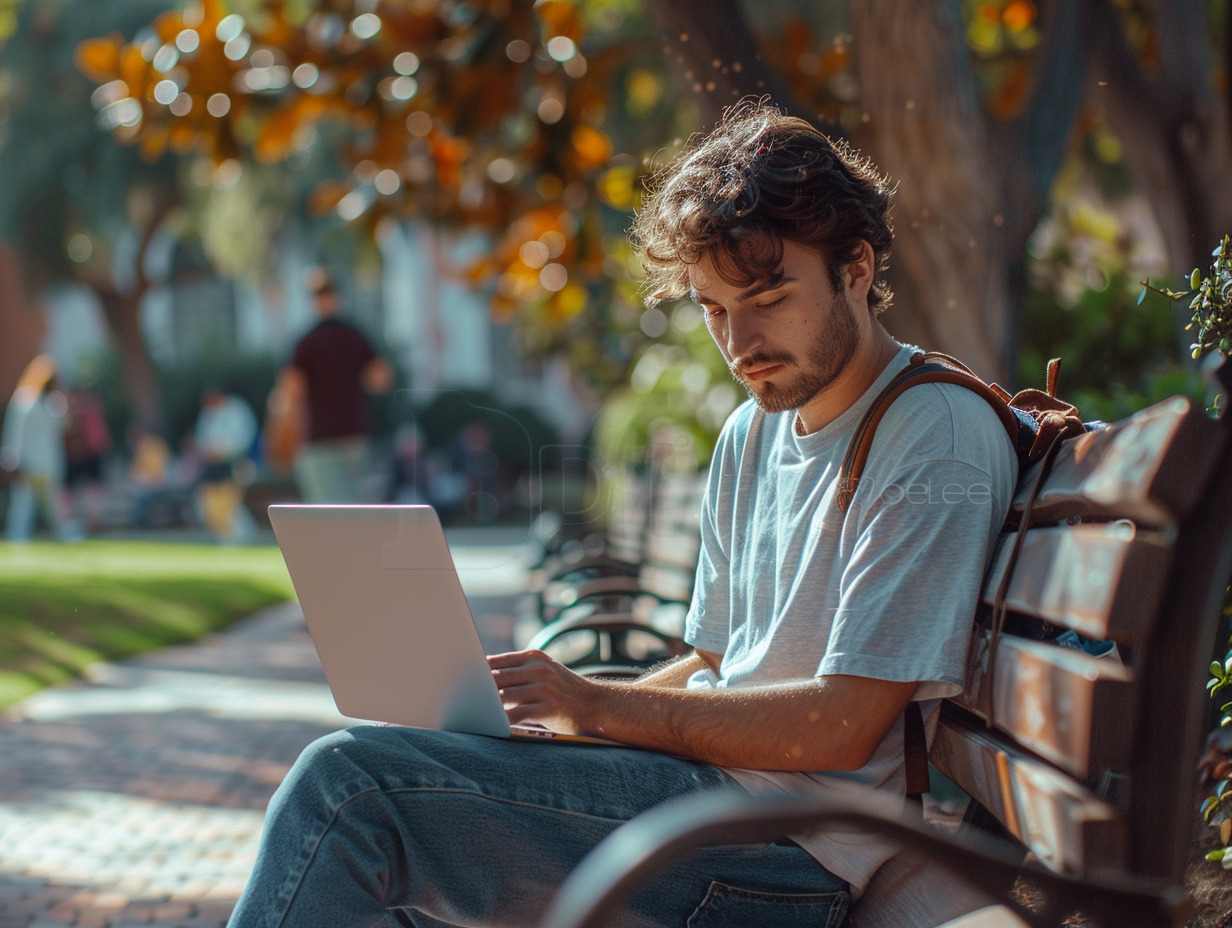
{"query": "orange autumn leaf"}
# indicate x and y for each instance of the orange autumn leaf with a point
(152, 144)
(480, 271)
(99, 59)
(560, 16)
(797, 39)
(182, 137)
(168, 25)
(134, 70)
(1018, 14)
(449, 154)
(326, 196)
(276, 138)
(593, 148)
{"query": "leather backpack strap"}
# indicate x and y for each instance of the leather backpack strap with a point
(915, 751)
(932, 367)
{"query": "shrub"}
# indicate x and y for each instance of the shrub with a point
(1210, 310)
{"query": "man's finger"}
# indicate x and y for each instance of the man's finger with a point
(514, 659)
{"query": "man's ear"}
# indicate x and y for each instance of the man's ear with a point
(858, 274)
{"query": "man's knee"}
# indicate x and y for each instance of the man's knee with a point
(340, 766)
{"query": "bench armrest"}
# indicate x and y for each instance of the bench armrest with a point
(648, 842)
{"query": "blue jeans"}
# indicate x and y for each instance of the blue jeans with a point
(386, 826)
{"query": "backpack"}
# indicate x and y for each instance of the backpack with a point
(1036, 422)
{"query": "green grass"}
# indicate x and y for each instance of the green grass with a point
(64, 607)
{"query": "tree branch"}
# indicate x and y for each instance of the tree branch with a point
(162, 210)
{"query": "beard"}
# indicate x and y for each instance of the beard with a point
(824, 359)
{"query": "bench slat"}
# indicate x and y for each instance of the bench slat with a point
(1149, 468)
(1066, 826)
(1102, 580)
(1065, 705)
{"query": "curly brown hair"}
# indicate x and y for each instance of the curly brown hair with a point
(759, 178)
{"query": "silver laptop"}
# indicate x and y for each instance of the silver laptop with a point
(390, 621)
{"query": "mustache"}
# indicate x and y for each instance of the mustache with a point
(756, 361)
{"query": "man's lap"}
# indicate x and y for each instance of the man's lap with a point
(460, 829)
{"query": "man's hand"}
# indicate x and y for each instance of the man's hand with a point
(537, 689)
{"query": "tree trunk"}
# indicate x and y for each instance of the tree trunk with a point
(712, 48)
(23, 325)
(122, 312)
(1174, 128)
(923, 126)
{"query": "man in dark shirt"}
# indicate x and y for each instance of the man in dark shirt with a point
(329, 377)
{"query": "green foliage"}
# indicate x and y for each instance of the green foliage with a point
(53, 152)
(1117, 354)
(1210, 302)
(1116, 358)
(1216, 808)
(1209, 298)
(515, 434)
(680, 392)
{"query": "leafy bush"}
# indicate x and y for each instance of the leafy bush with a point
(1210, 309)
(1210, 302)
(517, 434)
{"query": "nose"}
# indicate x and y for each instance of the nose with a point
(743, 336)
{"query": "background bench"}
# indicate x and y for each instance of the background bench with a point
(1088, 763)
(615, 616)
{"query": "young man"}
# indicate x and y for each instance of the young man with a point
(812, 629)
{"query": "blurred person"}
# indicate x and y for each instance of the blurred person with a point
(160, 485)
(325, 385)
(87, 440)
(225, 432)
(147, 471)
(32, 453)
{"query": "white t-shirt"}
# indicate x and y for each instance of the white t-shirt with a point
(788, 587)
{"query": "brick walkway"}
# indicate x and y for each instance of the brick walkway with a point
(136, 797)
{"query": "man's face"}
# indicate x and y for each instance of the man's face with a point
(785, 338)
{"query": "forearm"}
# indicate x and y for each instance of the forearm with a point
(824, 723)
(766, 728)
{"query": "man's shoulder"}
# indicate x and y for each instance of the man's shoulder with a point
(331, 335)
(949, 420)
(331, 328)
(741, 419)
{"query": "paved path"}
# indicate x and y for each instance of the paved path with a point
(136, 797)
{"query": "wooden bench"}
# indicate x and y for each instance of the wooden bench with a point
(1087, 763)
